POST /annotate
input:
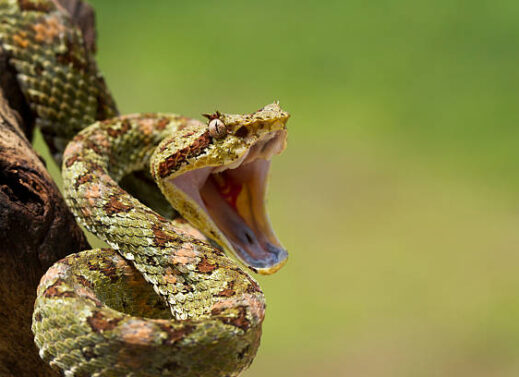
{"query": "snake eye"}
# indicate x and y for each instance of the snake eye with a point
(217, 128)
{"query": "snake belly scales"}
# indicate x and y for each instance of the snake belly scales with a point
(165, 300)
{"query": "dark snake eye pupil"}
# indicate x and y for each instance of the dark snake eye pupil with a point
(242, 131)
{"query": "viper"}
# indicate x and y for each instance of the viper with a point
(166, 299)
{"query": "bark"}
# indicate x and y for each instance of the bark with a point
(36, 227)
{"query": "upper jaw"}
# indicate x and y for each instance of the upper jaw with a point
(266, 147)
(273, 119)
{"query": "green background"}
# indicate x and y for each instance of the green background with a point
(397, 196)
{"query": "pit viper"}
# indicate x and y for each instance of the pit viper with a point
(165, 300)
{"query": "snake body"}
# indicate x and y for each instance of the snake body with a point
(57, 74)
(163, 301)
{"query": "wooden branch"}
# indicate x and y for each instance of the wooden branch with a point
(36, 229)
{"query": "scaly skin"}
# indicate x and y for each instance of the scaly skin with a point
(57, 75)
(163, 302)
(59, 78)
(81, 322)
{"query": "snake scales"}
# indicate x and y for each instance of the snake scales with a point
(165, 301)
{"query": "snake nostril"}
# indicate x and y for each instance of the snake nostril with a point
(242, 132)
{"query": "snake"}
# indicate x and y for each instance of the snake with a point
(171, 296)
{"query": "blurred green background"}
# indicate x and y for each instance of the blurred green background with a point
(397, 197)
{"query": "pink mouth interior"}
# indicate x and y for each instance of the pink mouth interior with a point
(234, 198)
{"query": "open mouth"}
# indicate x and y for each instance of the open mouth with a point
(233, 196)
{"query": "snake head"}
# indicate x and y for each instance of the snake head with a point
(216, 177)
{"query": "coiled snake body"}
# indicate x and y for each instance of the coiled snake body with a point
(164, 301)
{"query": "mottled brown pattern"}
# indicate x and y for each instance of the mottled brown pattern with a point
(175, 334)
(115, 205)
(38, 6)
(37, 317)
(86, 178)
(229, 291)
(48, 29)
(162, 123)
(89, 295)
(205, 266)
(86, 282)
(239, 321)
(169, 164)
(160, 237)
(20, 40)
(105, 266)
(86, 212)
(95, 147)
(99, 323)
(136, 332)
(216, 311)
(146, 125)
(253, 287)
(92, 194)
(169, 276)
(172, 163)
(58, 290)
(71, 57)
(166, 145)
(70, 161)
(94, 167)
(123, 129)
(110, 270)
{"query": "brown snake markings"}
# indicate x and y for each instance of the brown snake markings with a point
(162, 302)
(172, 162)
